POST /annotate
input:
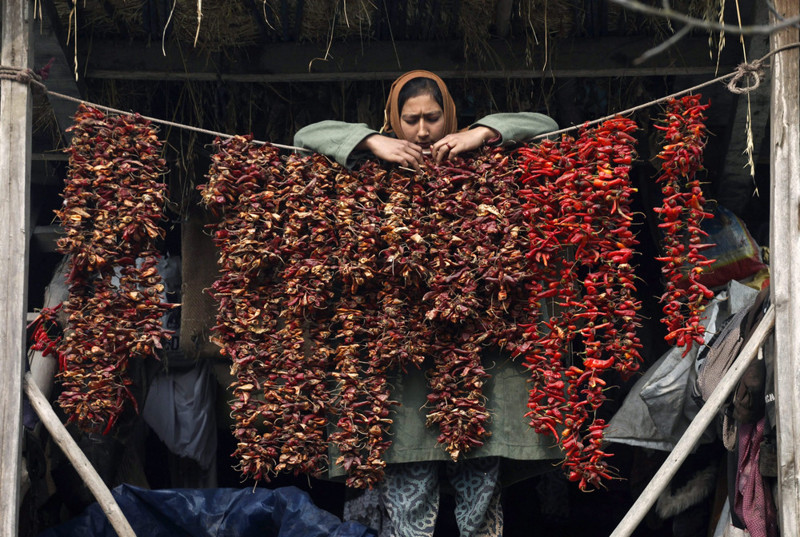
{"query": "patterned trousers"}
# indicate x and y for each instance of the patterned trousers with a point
(406, 503)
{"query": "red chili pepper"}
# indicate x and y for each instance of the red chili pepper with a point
(681, 214)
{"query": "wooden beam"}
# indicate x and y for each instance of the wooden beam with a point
(302, 62)
(79, 461)
(691, 436)
(784, 253)
(15, 149)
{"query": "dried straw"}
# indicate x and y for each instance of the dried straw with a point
(548, 18)
(327, 20)
(224, 24)
(107, 18)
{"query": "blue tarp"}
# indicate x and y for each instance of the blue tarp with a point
(281, 512)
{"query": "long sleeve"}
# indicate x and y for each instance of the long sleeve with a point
(518, 126)
(335, 139)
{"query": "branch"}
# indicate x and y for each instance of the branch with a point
(671, 14)
(677, 36)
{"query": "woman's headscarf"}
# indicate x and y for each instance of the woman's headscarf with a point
(391, 118)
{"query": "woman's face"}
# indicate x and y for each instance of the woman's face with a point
(423, 120)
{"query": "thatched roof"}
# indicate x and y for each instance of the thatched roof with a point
(222, 24)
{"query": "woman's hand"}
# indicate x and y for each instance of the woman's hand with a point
(400, 152)
(460, 142)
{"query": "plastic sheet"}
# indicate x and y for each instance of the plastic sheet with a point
(281, 512)
(659, 407)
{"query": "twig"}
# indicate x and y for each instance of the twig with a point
(671, 14)
(677, 36)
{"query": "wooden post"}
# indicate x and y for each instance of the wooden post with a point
(784, 252)
(15, 149)
(79, 461)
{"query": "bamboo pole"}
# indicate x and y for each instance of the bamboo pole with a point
(15, 149)
(696, 429)
(79, 461)
(784, 253)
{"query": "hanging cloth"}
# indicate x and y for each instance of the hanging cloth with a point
(753, 501)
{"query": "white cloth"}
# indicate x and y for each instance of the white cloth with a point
(180, 409)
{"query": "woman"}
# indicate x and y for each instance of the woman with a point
(420, 118)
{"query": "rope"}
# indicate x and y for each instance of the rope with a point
(753, 71)
(27, 76)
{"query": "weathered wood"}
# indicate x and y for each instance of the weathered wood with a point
(784, 253)
(299, 62)
(15, 148)
(79, 461)
(696, 429)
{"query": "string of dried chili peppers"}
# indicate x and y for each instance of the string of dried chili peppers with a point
(377, 270)
(578, 196)
(478, 276)
(366, 351)
(681, 213)
(395, 250)
(113, 204)
(280, 355)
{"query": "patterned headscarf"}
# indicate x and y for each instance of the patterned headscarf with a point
(392, 122)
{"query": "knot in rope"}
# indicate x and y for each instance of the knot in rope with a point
(752, 71)
(25, 76)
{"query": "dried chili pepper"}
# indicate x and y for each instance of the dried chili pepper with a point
(373, 271)
(681, 214)
(113, 203)
(578, 197)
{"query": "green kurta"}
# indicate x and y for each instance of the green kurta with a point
(338, 139)
(507, 397)
(521, 450)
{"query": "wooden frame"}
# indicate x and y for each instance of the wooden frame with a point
(15, 163)
(784, 252)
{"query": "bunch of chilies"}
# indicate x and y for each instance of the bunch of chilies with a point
(333, 281)
(113, 206)
(681, 215)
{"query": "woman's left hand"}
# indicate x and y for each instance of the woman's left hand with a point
(460, 142)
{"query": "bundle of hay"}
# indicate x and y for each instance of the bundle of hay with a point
(327, 20)
(109, 18)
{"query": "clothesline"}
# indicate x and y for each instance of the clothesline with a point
(752, 71)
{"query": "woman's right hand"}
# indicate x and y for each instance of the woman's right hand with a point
(400, 152)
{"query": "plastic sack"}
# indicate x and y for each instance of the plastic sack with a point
(281, 512)
(660, 406)
(737, 255)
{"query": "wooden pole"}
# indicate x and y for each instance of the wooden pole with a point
(784, 252)
(79, 461)
(696, 429)
(15, 149)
